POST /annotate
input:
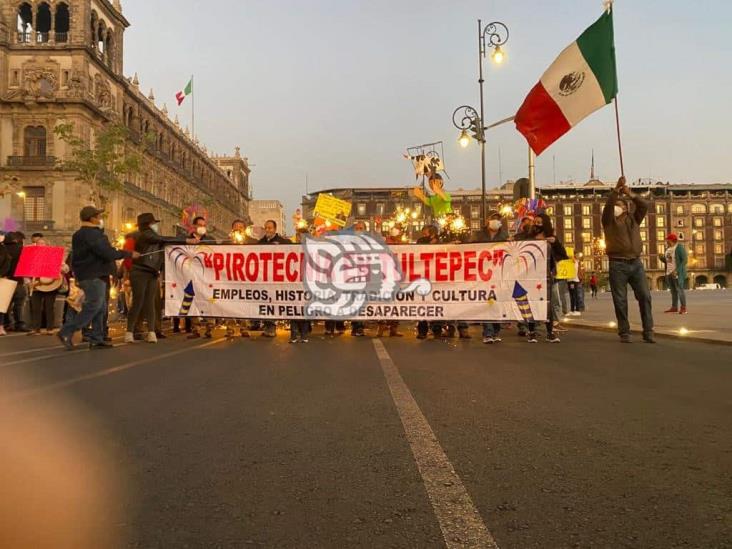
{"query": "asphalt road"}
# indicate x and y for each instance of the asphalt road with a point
(588, 443)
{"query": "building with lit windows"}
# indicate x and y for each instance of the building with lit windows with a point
(61, 61)
(701, 215)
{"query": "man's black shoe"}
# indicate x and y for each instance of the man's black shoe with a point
(98, 346)
(65, 341)
(625, 338)
(648, 339)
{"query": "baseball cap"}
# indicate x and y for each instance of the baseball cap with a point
(87, 212)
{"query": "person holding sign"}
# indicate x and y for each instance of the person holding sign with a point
(440, 201)
(624, 246)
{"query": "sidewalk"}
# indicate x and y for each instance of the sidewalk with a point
(709, 319)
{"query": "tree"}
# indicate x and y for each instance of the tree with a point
(106, 165)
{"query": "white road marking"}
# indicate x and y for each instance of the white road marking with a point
(460, 522)
(108, 371)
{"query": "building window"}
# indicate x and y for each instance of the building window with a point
(568, 223)
(660, 209)
(719, 248)
(568, 237)
(586, 237)
(679, 210)
(644, 250)
(361, 208)
(34, 203)
(698, 222)
(474, 211)
(729, 207)
(475, 225)
(716, 209)
(698, 235)
(568, 210)
(34, 141)
(661, 248)
(587, 249)
(643, 222)
(586, 223)
(379, 208)
(660, 222)
(718, 235)
(699, 249)
(680, 223)
(660, 236)
(698, 209)
(717, 222)
(644, 235)
(586, 209)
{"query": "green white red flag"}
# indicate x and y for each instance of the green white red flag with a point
(581, 80)
(188, 90)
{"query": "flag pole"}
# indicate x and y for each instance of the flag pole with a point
(193, 111)
(532, 174)
(617, 127)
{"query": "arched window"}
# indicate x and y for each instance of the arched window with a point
(43, 22)
(25, 23)
(698, 209)
(716, 208)
(101, 31)
(34, 141)
(63, 23)
(108, 48)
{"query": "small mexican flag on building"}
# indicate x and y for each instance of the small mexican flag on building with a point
(188, 90)
(580, 81)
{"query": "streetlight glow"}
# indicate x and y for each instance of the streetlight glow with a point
(464, 139)
(498, 55)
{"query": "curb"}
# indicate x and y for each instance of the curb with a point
(666, 334)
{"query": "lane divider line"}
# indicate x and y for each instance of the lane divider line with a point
(459, 519)
(102, 373)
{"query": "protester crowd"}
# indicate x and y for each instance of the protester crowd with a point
(96, 276)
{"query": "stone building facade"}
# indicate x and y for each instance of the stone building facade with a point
(262, 211)
(700, 214)
(60, 62)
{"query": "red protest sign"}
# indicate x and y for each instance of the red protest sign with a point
(40, 262)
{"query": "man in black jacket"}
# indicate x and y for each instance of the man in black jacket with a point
(271, 236)
(92, 254)
(624, 247)
(145, 273)
(14, 246)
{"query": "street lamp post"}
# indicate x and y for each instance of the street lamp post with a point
(490, 37)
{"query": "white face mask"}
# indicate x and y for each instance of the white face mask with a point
(2, 238)
(618, 211)
(494, 224)
(201, 230)
(101, 224)
(155, 227)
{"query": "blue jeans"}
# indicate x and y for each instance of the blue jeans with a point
(623, 273)
(92, 311)
(491, 329)
(677, 291)
(299, 329)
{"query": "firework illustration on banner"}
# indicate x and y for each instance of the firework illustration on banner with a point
(190, 260)
(527, 261)
(521, 297)
(188, 295)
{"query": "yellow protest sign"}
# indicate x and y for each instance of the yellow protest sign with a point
(332, 209)
(565, 268)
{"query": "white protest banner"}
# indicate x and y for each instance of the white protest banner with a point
(326, 279)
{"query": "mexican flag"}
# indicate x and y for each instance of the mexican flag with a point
(188, 90)
(580, 81)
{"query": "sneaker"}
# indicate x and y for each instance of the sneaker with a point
(552, 339)
(682, 311)
(304, 340)
(65, 341)
(293, 340)
(129, 337)
(497, 339)
(532, 338)
(151, 337)
(648, 339)
(488, 340)
(672, 310)
(625, 338)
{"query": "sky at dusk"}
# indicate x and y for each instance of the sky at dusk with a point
(337, 89)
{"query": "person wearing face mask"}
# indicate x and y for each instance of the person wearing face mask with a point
(91, 256)
(621, 225)
(494, 231)
(145, 273)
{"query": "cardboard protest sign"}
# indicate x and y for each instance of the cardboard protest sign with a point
(7, 289)
(332, 209)
(40, 262)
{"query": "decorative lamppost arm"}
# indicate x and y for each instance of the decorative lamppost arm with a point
(494, 35)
